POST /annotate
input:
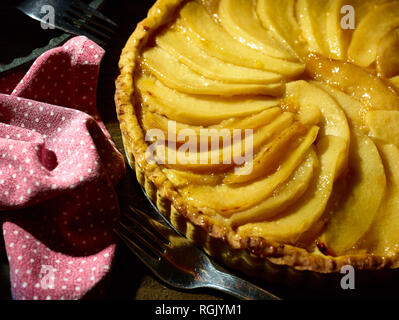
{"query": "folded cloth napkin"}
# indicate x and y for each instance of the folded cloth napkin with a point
(58, 169)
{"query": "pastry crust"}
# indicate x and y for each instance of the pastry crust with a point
(157, 184)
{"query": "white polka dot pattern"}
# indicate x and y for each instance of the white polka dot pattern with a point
(56, 164)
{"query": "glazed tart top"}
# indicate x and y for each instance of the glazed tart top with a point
(272, 123)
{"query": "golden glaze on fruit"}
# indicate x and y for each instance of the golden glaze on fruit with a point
(324, 107)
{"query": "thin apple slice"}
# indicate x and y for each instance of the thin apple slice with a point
(225, 155)
(337, 38)
(383, 125)
(394, 82)
(375, 25)
(279, 17)
(251, 122)
(309, 114)
(355, 111)
(311, 15)
(175, 75)
(333, 119)
(363, 8)
(239, 19)
(362, 201)
(170, 128)
(232, 195)
(270, 156)
(186, 51)
(183, 178)
(197, 110)
(353, 80)
(217, 42)
(289, 225)
(383, 236)
(153, 120)
(387, 60)
(283, 197)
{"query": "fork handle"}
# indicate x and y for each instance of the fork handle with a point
(238, 287)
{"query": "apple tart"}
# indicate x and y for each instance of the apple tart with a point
(319, 101)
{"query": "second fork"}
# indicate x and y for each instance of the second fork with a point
(177, 262)
(71, 16)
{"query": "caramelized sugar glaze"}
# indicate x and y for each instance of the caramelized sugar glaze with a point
(323, 105)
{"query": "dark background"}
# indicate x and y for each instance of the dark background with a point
(128, 279)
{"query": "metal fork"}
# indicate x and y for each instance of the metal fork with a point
(176, 261)
(72, 16)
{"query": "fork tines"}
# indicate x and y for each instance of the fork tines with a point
(140, 235)
(80, 18)
(177, 261)
(90, 11)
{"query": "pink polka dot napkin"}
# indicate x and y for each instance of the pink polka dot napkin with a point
(58, 169)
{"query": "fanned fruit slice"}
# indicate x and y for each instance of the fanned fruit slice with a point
(355, 111)
(362, 201)
(333, 119)
(387, 57)
(269, 157)
(353, 80)
(153, 120)
(394, 82)
(225, 155)
(239, 19)
(177, 43)
(306, 95)
(216, 41)
(383, 125)
(311, 15)
(181, 178)
(363, 8)
(209, 197)
(284, 196)
(280, 18)
(383, 236)
(289, 225)
(178, 76)
(337, 38)
(195, 109)
(375, 25)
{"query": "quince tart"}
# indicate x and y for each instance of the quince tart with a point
(319, 102)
